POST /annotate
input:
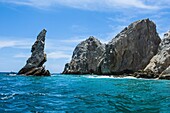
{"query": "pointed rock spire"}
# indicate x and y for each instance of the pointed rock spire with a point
(34, 65)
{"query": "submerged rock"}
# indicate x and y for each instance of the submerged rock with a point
(86, 57)
(131, 49)
(34, 65)
(161, 61)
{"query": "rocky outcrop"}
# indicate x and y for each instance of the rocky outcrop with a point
(161, 61)
(34, 65)
(132, 49)
(86, 57)
(144, 74)
(165, 74)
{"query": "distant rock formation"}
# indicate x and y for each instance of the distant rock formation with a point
(34, 65)
(160, 63)
(131, 49)
(86, 57)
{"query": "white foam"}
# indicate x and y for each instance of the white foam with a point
(12, 74)
(7, 97)
(130, 77)
(112, 77)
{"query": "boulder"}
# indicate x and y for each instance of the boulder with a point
(132, 49)
(165, 74)
(86, 57)
(161, 61)
(34, 65)
(144, 74)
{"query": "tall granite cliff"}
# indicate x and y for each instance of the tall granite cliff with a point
(34, 65)
(160, 63)
(130, 50)
(86, 57)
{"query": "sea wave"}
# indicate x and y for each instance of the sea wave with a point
(111, 77)
(12, 74)
(8, 96)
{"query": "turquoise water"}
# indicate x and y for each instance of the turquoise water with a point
(60, 93)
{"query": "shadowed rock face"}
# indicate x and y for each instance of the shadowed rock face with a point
(86, 57)
(34, 65)
(132, 48)
(160, 63)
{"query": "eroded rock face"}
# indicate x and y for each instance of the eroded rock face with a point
(34, 65)
(161, 61)
(130, 51)
(86, 57)
(132, 48)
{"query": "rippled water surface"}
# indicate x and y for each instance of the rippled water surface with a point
(61, 93)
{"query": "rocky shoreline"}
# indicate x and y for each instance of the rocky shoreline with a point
(136, 51)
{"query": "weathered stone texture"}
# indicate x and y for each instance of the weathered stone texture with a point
(161, 61)
(86, 57)
(34, 65)
(132, 48)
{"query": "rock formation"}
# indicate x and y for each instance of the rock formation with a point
(160, 63)
(165, 74)
(34, 65)
(86, 57)
(144, 74)
(131, 49)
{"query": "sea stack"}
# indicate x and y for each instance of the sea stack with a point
(86, 57)
(132, 49)
(136, 51)
(34, 65)
(160, 63)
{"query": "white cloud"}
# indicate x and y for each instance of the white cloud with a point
(50, 55)
(23, 44)
(55, 49)
(58, 55)
(7, 44)
(87, 4)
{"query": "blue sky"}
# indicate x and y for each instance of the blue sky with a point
(68, 22)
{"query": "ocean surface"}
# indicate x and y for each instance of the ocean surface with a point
(82, 94)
